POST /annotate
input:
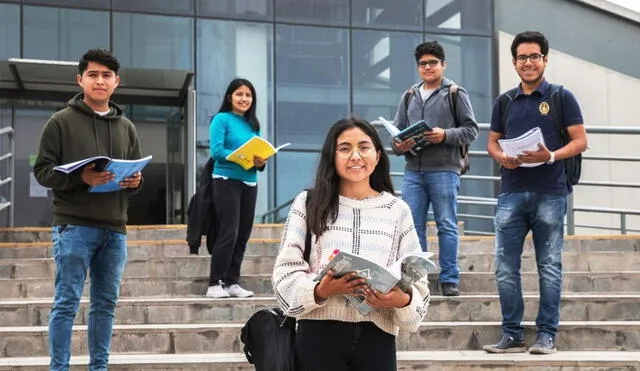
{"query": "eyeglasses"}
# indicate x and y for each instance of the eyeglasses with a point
(534, 58)
(431, 63)
(363, 151)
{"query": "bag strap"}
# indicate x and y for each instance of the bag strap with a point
(307, 238)
(557, 110)
(505, 102)
(407, 97)
(453, 103)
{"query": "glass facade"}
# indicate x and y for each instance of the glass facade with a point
(311, 61)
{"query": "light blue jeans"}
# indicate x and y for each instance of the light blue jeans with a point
(439, 189)
(104, 252)
(516, 215)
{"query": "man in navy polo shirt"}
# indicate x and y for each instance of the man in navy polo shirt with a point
(532, 198)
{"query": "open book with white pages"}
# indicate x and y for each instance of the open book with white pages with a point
(403, 273)
(528, 141)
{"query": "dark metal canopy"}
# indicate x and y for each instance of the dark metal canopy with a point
(56, 81)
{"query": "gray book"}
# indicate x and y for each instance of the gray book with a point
(403, 273)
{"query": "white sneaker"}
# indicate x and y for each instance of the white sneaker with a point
(238, 292)
(217, 291)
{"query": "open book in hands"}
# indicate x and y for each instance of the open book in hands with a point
(256, 146)
(415, 131)
(403, 273)
(121, 169)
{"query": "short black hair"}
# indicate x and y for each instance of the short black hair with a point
(530, 37)
(430, 47)
(100, 56)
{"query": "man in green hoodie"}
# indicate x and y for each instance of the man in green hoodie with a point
(88, 229)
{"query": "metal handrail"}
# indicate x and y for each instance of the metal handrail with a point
(571, 208)
(9, 156)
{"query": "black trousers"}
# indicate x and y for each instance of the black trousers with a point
(343, 346)
(235, 205)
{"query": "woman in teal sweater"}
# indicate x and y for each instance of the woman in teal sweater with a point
(234, 189)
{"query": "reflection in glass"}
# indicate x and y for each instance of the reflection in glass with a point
(312, 83)
(184, 7)
(469, 63)
(245, 9)
(295, 172)
(63, 34)
(153, 41)
(326, 12)
(403, 14)
(93, 4)
(229, 49)
(10, 31)
(383, 68)
(472, 16)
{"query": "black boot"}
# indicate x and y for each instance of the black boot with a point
(450, 289)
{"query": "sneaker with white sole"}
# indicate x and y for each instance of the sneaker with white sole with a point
(217, 291)
(238, 292)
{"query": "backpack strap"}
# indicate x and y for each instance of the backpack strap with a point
(453, 103)
(504, 102)
(307, 238)
(557, 110)
(406, 97)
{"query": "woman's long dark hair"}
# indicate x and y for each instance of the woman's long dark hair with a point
(226, 105)
(323, 207)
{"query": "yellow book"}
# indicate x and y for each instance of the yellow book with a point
(256, 146)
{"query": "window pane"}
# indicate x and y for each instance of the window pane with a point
(93, 4)
(228, 49)
(153, 41)
(383, 68)
(399, 14)
(312, 83)
(244, 9)
(326, 12)
(469, 63)
(472, 16)
(9, 31)
(63, 34)
(185, 7)
(295, 172)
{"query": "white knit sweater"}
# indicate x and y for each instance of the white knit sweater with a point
(380, 229)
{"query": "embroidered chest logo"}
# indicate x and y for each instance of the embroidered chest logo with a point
(543, 108)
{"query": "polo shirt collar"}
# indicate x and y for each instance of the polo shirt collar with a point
(541, 90)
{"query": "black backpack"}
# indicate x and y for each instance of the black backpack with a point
(453, 107)
(572, 165)
(269, 335)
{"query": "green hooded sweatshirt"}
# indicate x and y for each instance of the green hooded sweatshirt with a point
(75, 133)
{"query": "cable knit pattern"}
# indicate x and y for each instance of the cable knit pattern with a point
(380, 229)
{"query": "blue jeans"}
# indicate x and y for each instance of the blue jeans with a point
(440, 189)
(75, 249)
(516, 215)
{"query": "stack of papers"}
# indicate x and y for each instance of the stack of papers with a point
(528, 141)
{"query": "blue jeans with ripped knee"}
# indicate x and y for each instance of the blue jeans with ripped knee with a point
(516, 215)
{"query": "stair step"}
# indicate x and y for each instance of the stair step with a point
(183, 310)
(134, 232)
(470, 283)
(592, 261)
(225, 337)
(407, 360)
(165, 247)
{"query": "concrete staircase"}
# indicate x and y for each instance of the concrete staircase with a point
(164, 322)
